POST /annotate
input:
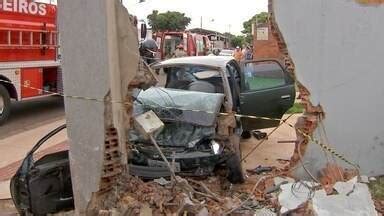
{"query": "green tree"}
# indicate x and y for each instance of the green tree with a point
(247, 25)
(170, 20)
(237, 40)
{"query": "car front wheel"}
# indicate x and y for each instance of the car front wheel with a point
(234, 165)
(235, 169)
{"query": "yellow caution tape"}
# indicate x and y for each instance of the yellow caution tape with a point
(325, 147)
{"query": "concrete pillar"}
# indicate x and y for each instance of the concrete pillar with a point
(100, 58)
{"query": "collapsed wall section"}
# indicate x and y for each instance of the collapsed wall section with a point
(336, 50)
(101, 66)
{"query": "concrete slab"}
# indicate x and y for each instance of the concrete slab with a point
(16, 146)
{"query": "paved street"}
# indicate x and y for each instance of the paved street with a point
(30, 114)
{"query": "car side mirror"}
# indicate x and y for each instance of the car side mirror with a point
(143, 31)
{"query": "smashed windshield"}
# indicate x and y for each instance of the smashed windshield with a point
(197, 108)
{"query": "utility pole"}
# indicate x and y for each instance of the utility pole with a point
(201, 24)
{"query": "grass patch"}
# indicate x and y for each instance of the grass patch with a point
(296, 108)
(377, 188)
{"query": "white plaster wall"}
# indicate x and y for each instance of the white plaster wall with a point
(338, 50)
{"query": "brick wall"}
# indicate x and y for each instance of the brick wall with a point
(266, 48)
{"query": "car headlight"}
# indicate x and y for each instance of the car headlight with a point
(215, 147)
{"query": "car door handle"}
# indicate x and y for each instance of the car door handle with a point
(286, 97)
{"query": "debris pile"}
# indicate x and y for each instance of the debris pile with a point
(264, 194)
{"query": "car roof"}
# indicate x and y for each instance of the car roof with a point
(211, 61)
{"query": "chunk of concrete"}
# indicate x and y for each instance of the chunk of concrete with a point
(344, 188)
(293, 195)
(281, 179)
(353, 199)
(358, 202)
(148, 123)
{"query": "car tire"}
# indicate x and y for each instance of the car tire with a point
(5, 104)
(246, 134)
(235, 169)
(234, 165)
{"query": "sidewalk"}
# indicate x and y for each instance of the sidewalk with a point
(13, 150)
(15, 147)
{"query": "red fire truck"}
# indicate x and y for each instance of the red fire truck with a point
(194, 44)
(29, 63)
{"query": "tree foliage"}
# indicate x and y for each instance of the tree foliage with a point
(170, 20)
(237, 40)
(261, 18)
(247, 25)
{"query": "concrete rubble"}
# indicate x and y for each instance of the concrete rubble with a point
(349, 198)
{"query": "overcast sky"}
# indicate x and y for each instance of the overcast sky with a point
(219, 15)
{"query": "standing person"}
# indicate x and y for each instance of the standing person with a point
(248, 55)
(148, 49)
(179, 52)
(244, 51)
(238, 54)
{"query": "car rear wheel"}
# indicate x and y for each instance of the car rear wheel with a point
(5, 104)
(246, 134)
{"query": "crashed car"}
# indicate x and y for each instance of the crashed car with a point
(198, 104)
(260, 88)
(205, 105)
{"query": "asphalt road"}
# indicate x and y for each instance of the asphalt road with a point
(30, 114)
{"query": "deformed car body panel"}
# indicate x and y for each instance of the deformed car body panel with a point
(270, 86)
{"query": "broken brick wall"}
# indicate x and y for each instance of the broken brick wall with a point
(337, 52)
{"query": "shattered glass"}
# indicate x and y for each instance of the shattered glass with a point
(173, 105)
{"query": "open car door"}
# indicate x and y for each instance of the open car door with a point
(267, 90)
(43, 186)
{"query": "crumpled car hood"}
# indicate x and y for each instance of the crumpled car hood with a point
(174, 105)
(189, 116)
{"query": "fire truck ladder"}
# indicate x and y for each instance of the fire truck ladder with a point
(27, 39)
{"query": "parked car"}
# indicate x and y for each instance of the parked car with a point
(197, 137)
(226, 52)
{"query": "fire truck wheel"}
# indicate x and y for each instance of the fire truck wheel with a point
(5, 104)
